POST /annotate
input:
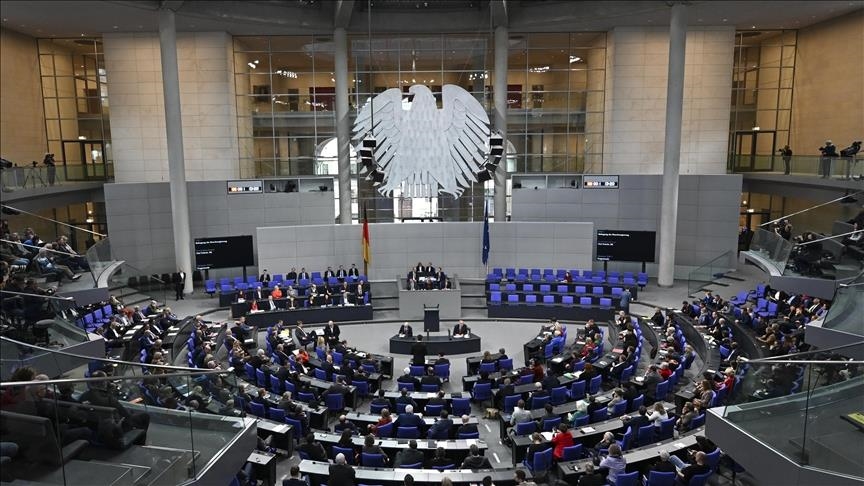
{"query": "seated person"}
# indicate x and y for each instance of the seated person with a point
(440, 459)
(405, 330)
(439, 277)
(687, 471)
(461, 329)
(409, 456)
(475, 460)
(537, 445)
(411, 279)
(276, 293)
(313, 448)
(466, 427)
(370, 447)
(292, 295)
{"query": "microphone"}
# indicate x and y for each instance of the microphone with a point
(449, 338)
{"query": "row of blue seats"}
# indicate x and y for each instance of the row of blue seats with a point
(559, 289)
(495, 298)
(227, 286)
(95, 318)
(560, 275)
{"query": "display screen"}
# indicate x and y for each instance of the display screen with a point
(625, 246)
(600, 182)
(245, 187)
(223, 252)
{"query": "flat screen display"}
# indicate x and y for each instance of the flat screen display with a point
(625, 246)
(223, 252)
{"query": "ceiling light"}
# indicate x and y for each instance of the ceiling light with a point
(539, 69)
(575, 59)
(725, 20)
(752, 26)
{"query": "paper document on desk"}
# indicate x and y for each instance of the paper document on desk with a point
(546, 435)
(640, 379)
(471, 442)
(587, 430)
(680, 445)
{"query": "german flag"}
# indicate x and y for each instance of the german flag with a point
(366, 242)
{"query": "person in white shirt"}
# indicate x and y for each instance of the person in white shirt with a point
(658, 414)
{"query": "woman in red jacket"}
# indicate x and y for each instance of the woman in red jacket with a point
(560, 440)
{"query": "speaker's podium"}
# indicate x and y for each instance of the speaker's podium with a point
(431, 320)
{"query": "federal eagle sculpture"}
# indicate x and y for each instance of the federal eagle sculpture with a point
(418, 143)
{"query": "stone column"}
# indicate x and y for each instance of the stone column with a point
(174, 137)
(343, 128)
(672, 145)
(500, 119)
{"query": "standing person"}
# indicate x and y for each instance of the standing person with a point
(829, 151)
(51, 170)
(418, 352)
(625, 299)
(179, 284)
(786, 153)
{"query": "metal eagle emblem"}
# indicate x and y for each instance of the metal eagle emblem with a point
(418, 143)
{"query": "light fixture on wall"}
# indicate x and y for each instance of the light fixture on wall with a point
(575, 59)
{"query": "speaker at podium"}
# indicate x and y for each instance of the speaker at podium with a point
(431, 320)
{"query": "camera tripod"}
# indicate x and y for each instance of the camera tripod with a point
(33, 174)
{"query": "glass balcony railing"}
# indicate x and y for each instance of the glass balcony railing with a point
(806, 407)
(772, 248)
(847, 309)
(32, 177)
(118, 423)
(800, 165)
(124, 279)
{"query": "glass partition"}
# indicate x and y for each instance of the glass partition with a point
(806, 407)
(124, 279)
(843, 168)
(709, 271)
(129, 422)
(847, 309)
(771, 247)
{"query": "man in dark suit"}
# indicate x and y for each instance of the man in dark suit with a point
(439, 400)
(353, 271)
(408, 456)
(295, 479)
(460, 329)
(302, 336)
(440, 430)
(265, 278)
(338, 388)
(313, 448)
(411, 278)
(649, 382)
(505, 390)
(329, 273)
(405, 330)
(636, 421)
(258, 294)
(418, 352)
(405, 398)
(179, 284)
(291, 276)
(407, 378)
(408, 419)
(302, 275)
(467, 428)
(430, 378)
(341, 273)
(331, 333)
(441, 359)
(340, 473)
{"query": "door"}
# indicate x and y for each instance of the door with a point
(754, 150)
(83, 160)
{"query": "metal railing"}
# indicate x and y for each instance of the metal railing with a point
(799, 165)
(32, 177)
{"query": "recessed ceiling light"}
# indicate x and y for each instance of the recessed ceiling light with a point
(752, 26)
(115, 27)
(725, 20)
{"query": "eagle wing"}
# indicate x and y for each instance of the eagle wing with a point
(465, 128)
(387, 116)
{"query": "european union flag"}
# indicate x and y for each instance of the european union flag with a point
(485, 233)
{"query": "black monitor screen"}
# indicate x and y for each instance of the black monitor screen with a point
(223, 252)
(625, 246)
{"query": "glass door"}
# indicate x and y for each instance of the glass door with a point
(754, 150)
(84, 160)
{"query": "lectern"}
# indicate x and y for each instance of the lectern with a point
(431, 320)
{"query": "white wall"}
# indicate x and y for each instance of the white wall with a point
(138, 114)
(635, 121)
(454, 246)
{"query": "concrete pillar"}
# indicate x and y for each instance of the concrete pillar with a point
(500, 118)
(343, 128)
(672, 145)
(174, 136)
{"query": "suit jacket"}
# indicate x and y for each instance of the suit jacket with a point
(341, 273)
(467, 429)
(406, 330)
(331, 333)
(418, 352)
(354, 271)
(440, 429)
(410, 420)
(303, 276)
(408, 456)
(429, 271)
(461, 329)
(291, 276)
(258, 295)
(341, 475)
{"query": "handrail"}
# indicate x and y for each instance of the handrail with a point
(52, 220)
(65, 299)
(40, 248)
(804, 353)
(106, 360)
(108, 378)
(831, 237)
(781, 218)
